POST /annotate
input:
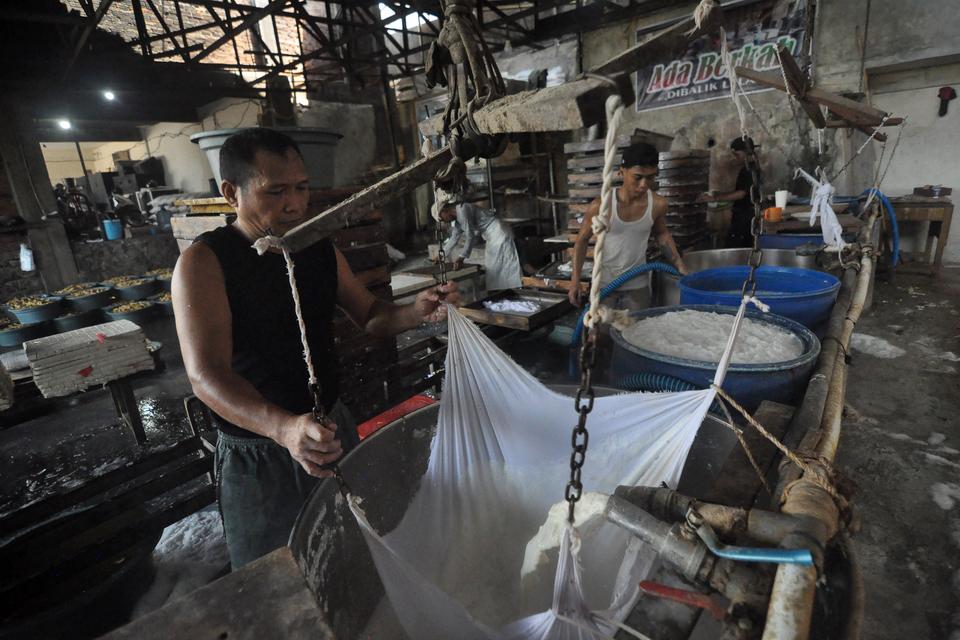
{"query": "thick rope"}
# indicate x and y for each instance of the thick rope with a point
(601, 221)
(734, 83)
(262, 245)
(809, 473)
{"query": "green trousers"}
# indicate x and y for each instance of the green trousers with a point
(260, 489)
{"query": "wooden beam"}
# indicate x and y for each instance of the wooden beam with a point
(843, 124)
(85, 34)
(565, 107)
(340, 215)
(662, 45)
(799, 85)
(855, 112)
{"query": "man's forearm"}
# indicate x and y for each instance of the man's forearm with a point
(579, 253)
(387, 319)
(233, 398)
(669, 251)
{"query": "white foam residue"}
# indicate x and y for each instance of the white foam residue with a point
(876, 347)
(949, 356)
(191, 553)
(702, 335)
(946, 495)
(936, 438)
(521, 307)
(589, 513)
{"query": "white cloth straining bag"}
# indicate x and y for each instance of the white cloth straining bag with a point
(499, 460)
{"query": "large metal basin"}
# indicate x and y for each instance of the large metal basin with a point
(666, 290)
(386, 470)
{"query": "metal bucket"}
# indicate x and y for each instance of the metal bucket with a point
(386, 470)
(317, 146)
(749, 384)
(666, 290)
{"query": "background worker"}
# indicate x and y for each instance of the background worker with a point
(637, 212)
(742, 209)
(500, 259)
(242, 347)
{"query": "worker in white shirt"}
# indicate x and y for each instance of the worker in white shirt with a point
(501, 262)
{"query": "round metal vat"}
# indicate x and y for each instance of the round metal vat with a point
(749, 384)
(666, 288)
(386, 470)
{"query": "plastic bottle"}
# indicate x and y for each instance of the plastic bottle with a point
(26, 258)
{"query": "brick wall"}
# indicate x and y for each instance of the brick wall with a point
(119, 20)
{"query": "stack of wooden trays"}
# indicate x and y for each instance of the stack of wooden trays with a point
(585, 171)
(683, 176)
(74, 361)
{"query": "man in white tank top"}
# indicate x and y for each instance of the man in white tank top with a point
(637, 211)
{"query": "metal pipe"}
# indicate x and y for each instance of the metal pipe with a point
(791, 602)
(688, 556)
(770, 527)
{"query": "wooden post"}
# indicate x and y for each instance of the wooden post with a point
(33, 195)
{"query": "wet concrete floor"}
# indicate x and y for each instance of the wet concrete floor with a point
(901, 444)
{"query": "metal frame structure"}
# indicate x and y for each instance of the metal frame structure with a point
(347, 40)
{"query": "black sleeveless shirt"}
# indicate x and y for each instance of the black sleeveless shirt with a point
(266, 340)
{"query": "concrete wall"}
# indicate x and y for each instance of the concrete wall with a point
(911, 49)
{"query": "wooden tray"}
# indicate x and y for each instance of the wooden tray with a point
(552, 306)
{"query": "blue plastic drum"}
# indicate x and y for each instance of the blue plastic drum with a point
(803, 295)
(749, 384)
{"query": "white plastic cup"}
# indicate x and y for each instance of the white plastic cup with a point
(781, 198)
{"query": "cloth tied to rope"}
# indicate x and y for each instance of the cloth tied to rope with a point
(821, 206)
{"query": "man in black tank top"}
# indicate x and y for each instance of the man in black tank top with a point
(242, 348)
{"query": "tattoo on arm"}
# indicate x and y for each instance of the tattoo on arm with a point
(667, 252)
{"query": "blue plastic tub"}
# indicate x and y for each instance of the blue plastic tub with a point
(749, 384)
(803, 295)
(794, 240)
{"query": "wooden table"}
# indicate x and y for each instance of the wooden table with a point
(939, 213)
(802, 224)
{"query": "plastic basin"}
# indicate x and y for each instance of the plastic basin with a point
(16, 337)
(667, 290)
(138, 291)
(318, 147)
(165, 307)
(794, 240)
(137, 316)
(803, 295)
(91, 302)
(78, 320)
(40, 313)
(749, 384)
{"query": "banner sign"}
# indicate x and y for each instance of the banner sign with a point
(701, 74)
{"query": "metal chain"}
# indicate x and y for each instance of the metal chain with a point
(441, 254)
(752, 164)
(580, 437)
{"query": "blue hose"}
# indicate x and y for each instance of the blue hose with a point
(893, 221)
(615, 284)
(657, 382)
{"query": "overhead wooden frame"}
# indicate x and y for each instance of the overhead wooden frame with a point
(572, 105)
(851, 114)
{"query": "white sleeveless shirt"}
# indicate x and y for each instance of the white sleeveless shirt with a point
(626, 246)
